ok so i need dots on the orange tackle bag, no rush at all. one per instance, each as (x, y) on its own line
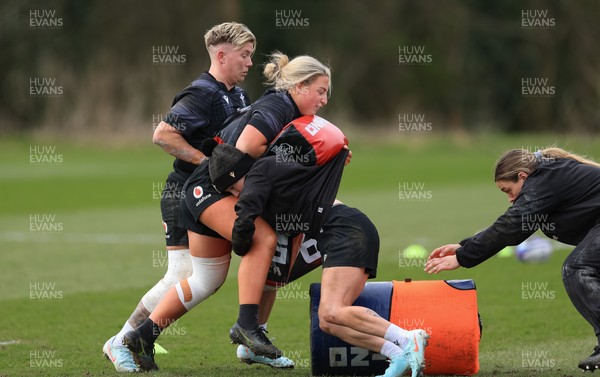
(446, 309)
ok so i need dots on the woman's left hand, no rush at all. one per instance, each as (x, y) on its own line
(349, 157)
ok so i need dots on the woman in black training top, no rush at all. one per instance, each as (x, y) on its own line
(558, 193)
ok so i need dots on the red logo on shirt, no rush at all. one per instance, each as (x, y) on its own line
(198, 192)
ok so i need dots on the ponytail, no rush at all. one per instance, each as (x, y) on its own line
(514, 161)
(283, 74)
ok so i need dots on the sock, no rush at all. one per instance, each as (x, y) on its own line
(263, 326)
(248, 317)
(149, 331)
(397, 334)
(119, 337)
(390, 350)
(179, 267)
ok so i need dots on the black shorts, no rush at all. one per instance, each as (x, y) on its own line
(170, 199)
(198, 194)
(349, 239)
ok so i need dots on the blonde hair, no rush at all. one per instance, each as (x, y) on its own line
(233, 33)
(514, 161)
(283, 74)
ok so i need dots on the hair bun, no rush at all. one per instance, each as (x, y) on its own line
(207, 146)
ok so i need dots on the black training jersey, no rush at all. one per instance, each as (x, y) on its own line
(269, 114)
(198, 112)
(561, 198)
(291, 197)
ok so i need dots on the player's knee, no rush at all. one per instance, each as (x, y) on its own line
(268, 241)
(572, 269)
(265, 237)
(327, 318)
(177, 273)
(208, 276)
(179, 266)
(566, 270)
(325, 327)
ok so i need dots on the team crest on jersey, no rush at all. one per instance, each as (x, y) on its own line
(243, 99)
(226, 98)
(165, 227)
(284, 149)
(198, 192)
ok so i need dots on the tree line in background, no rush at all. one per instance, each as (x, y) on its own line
(114, 66)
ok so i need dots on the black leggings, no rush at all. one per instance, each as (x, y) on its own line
(581, 277)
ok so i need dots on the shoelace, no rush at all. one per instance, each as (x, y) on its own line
(260, 333)
(145, 347)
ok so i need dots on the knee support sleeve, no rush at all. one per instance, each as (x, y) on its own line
(207, 277)
(179, 266)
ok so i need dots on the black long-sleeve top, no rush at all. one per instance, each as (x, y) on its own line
(291, 197)
(560, 197)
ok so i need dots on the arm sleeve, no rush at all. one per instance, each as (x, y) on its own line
(519, 222)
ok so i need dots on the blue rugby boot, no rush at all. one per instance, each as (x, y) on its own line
(414, 351)
(120, 356)
(398, 366)
(245, 355)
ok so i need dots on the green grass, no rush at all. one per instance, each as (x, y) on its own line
(106, 251)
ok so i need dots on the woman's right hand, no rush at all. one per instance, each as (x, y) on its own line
(442, 259)
(442, 251)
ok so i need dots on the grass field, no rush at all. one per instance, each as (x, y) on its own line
(82, 242)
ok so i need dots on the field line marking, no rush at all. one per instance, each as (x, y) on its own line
(99, 238)
(8, 342)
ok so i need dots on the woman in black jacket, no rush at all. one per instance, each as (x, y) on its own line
(558, 193)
